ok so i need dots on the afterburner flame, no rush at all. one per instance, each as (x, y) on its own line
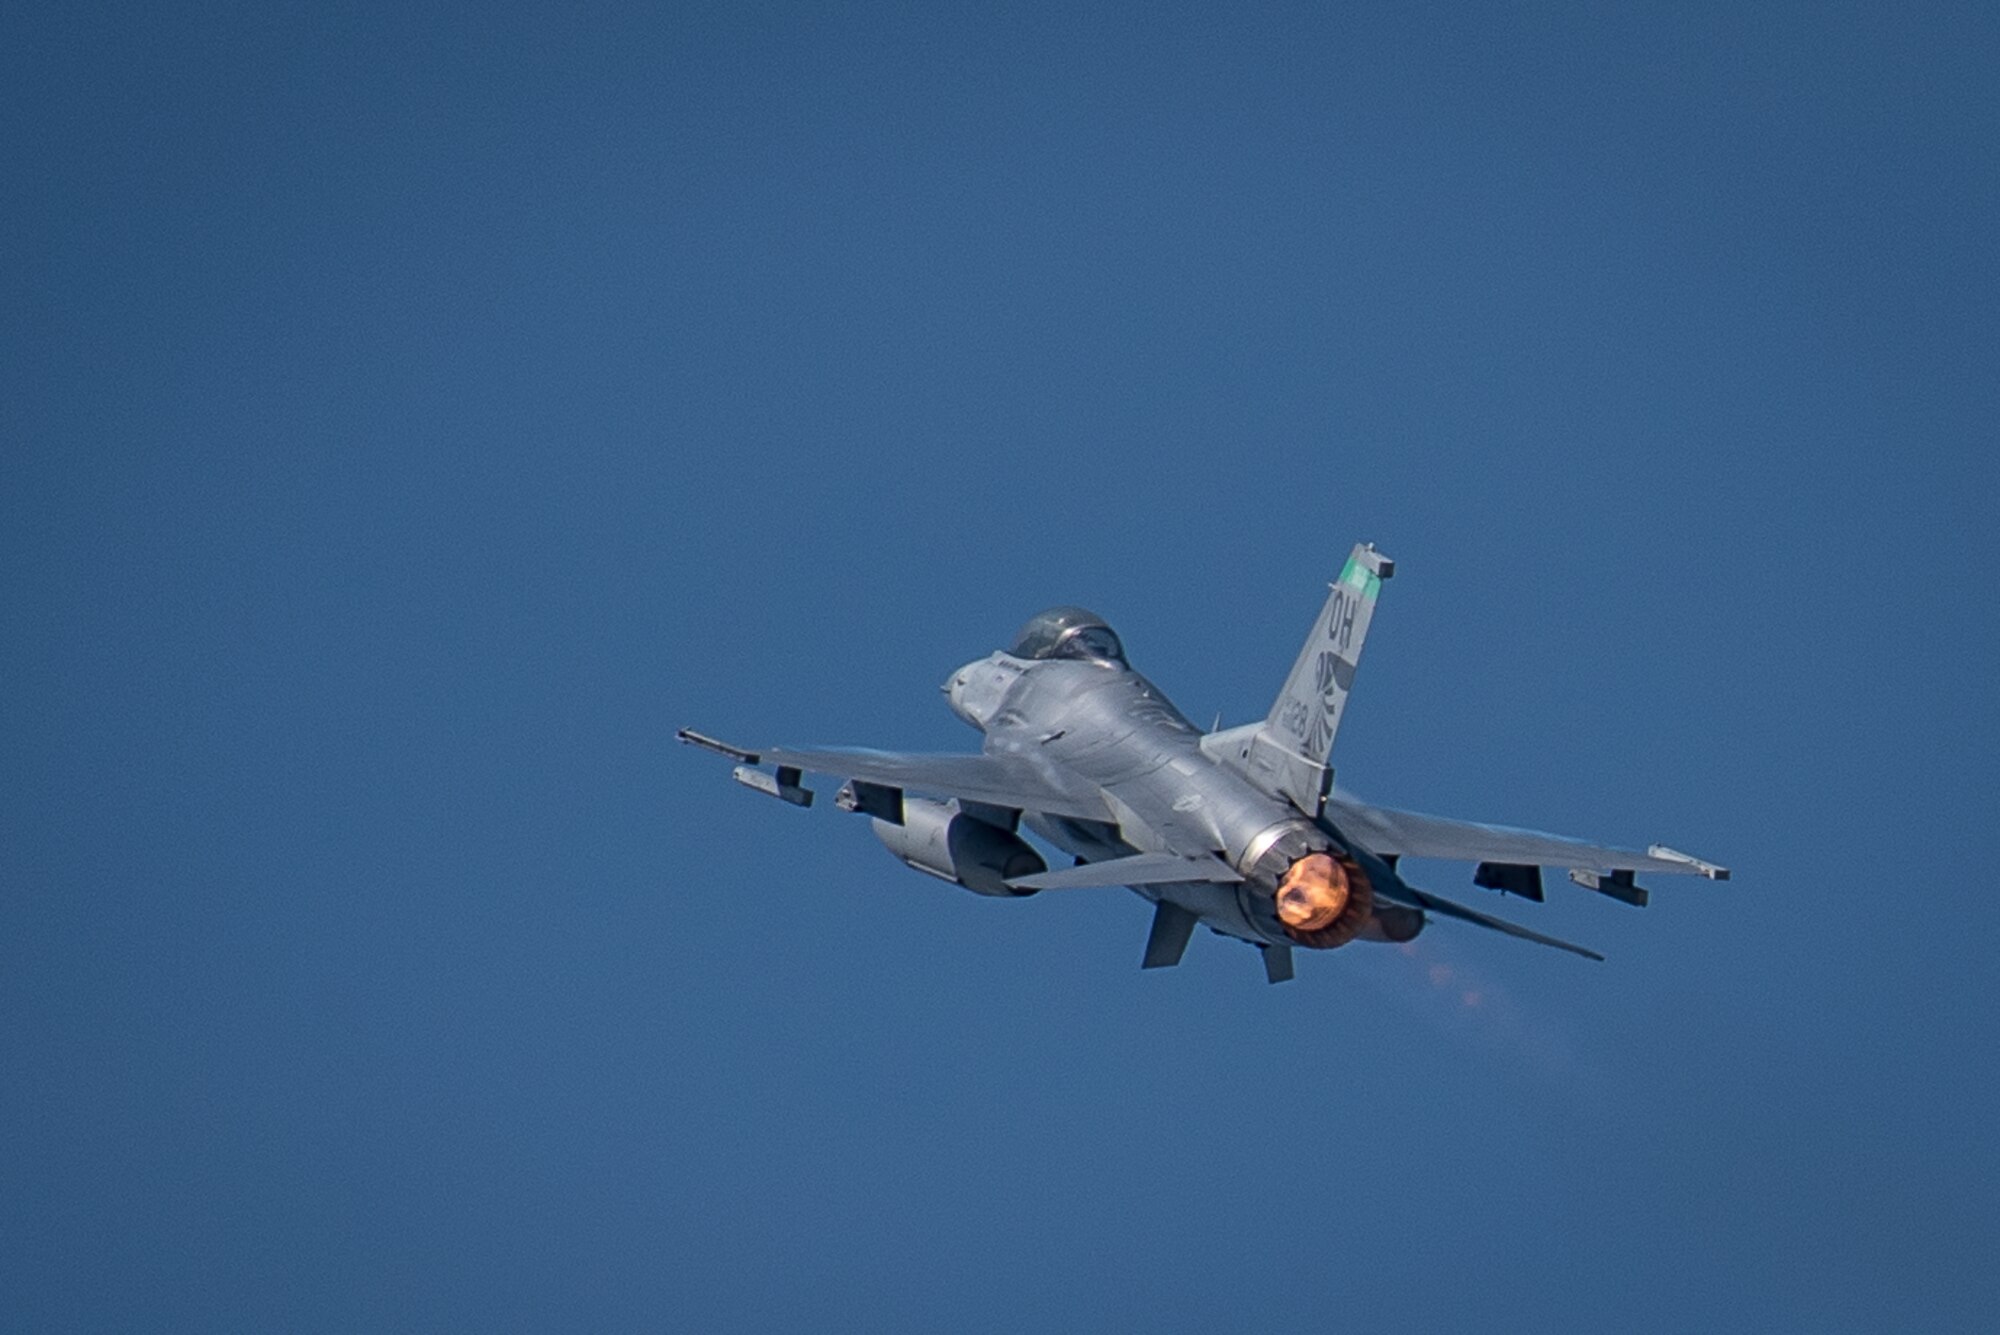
(1312, 893)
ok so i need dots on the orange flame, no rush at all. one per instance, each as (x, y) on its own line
(1313, 893)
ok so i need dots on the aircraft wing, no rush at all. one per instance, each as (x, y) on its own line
(1387, 831)
(1000, 781)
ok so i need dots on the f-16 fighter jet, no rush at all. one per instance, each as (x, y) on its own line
(1241, 830)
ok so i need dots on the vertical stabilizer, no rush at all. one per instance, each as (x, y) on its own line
(1288, 754)
(1307, 712)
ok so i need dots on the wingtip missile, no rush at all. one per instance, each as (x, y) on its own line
(1708, 869)
(706, 743)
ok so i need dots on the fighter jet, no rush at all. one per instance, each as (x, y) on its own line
(1241, 830)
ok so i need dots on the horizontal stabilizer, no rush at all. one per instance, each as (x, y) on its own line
(1446, 909)
(1139, 869)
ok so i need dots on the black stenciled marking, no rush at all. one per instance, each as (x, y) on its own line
(1332, 675)
(1320, 736)
(1340, 621)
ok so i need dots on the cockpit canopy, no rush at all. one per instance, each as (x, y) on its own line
(1069, 632)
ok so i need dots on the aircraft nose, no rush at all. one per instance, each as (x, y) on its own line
(965, 700)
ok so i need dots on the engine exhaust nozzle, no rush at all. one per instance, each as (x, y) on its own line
(1313, 893)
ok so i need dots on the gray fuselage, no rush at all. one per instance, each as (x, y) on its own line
(1111, 728)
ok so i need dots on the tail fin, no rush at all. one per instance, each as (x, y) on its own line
(1307, 712)
(1288, 752)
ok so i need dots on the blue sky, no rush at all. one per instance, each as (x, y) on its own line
(412, 418)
